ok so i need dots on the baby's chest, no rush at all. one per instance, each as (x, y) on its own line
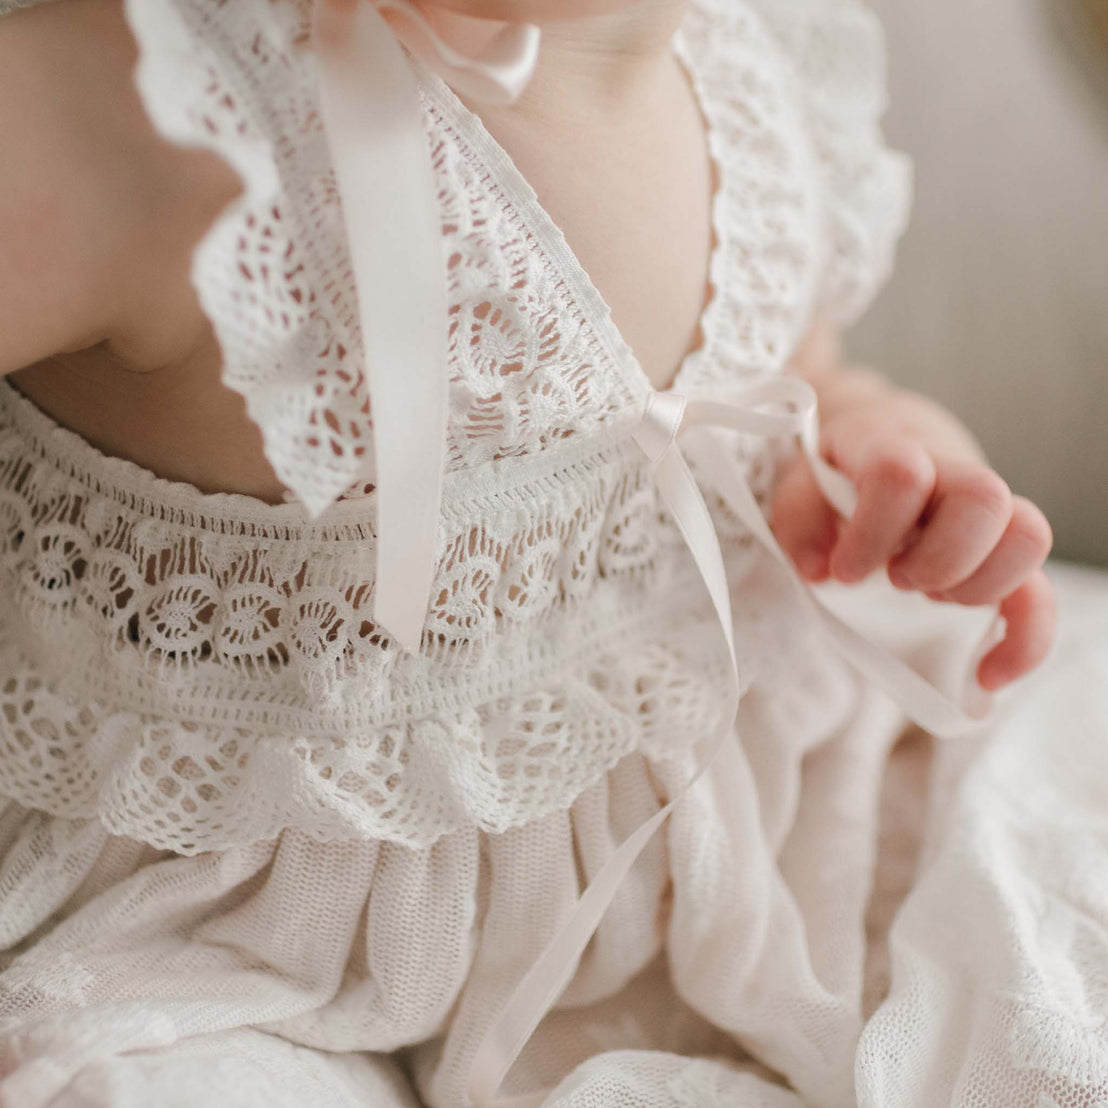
(631, 188)
(684, 252)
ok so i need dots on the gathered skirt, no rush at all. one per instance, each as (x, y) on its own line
(842, 912)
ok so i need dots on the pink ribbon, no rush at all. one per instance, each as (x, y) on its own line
(371, 111)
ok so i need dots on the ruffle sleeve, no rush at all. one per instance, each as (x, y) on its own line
(838, 50)
(273, 274)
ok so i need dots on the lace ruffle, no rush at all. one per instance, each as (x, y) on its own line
(838, 52)
(190, 788)
(200, 671)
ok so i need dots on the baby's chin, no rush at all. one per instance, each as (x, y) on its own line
(533, 11)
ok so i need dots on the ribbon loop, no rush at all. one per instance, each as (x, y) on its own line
(658, 428)
(488, 60)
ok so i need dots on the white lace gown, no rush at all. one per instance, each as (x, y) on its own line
(251, 853)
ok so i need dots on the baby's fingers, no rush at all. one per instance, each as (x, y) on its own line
(1030, 613)
(967, 518)
(895, 480)
(805, 524)
(1022, 549)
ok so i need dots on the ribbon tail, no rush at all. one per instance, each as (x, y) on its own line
(549, 975)
(374, 123)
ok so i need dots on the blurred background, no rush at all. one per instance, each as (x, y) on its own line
(999, 304)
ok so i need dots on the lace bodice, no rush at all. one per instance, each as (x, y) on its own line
(203, 670)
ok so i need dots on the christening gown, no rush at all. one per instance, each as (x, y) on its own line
(256, 851)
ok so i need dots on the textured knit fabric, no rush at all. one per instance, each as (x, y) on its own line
(253, 854)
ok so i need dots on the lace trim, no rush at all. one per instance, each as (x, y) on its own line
(190, 788)
(837, 51)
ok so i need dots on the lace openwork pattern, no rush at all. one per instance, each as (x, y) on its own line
(534, 358)
(203, 670)
(200, 671)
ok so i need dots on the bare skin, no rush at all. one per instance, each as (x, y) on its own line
(98, 221)
(100, 326)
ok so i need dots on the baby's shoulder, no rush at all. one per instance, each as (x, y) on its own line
(98, 214)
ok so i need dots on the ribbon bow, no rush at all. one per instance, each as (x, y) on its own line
(371, 111)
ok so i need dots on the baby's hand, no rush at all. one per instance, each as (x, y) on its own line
(931, 512)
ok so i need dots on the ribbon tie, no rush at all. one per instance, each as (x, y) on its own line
(371, 111)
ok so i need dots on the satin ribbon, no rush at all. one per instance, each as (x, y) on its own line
(779, 407)
(374, 123)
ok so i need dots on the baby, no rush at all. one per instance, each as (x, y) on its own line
(286, 849)
(103, 331)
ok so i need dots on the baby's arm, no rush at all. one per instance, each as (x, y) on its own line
(930, 509)
(98, 215)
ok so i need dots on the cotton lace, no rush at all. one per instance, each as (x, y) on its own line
(199, 671)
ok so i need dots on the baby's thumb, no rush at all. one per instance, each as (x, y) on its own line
(806, 526)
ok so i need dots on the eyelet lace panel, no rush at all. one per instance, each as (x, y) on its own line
(203, 670)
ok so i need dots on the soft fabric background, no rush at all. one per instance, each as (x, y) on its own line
(999, 306)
